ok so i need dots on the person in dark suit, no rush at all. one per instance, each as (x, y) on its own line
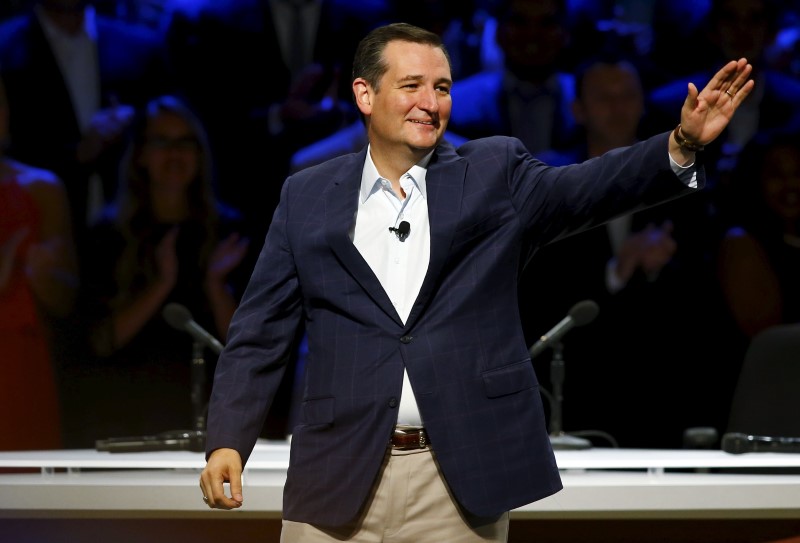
(94, 70)
(649, 273)
(737, 29)
(401, 261)
(280, 87)
(530, 96)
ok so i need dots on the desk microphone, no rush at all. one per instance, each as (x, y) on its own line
(581, 313)
(178, 316)
(402, 230)
(165, 441)
(739, 443)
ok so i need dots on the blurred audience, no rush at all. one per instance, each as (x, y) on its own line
(166, 238)
(649, 273)
(652, 32)
(735, 29)
(265, 86)
(759, 255)
(270, 81)
(530, 97)
(38, 282)
(93, 70)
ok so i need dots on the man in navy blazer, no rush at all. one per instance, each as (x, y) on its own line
(330, 262)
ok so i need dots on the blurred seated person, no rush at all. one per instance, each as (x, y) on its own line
(283, 86)
(94, 71)
(759, 254)
(165, 239)
(735, 29)
(38, 282)
(647, 271)
(530, 97)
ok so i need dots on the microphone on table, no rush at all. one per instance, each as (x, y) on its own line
(166, 441)
(740, 443)
(402, 230)
(176, 440)
(178, 316)
(581, 313)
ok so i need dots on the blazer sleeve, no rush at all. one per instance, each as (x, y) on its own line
(554, 202)
(260, 339)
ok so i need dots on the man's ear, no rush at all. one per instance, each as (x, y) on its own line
(362, 92)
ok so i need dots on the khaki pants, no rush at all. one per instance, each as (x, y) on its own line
(409, 504)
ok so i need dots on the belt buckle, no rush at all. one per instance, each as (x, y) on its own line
(411, 431)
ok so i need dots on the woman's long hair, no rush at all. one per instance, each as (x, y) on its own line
(134, 215)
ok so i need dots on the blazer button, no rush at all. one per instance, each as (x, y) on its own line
(392, 402)
(406, 339)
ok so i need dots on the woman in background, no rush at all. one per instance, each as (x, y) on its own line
(166, 238)
(759, 258)
(38, 282)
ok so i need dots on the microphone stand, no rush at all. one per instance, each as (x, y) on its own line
(172, 440)
(195, 439)
(558, 439)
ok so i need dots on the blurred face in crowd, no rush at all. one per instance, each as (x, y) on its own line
(409, 111)
(170, 153)
(780, 182)
(532, 36)
(611, 103)
(742, 29)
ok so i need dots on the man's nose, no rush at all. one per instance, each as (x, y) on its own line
(428, 100)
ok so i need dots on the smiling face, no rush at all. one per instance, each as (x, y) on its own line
(408, 112)
(170, 153)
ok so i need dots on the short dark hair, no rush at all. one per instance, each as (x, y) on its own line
(369, 62)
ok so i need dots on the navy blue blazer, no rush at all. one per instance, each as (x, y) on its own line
(490, 205)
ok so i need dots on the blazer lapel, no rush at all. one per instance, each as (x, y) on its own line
(445, 187)
(341, 204)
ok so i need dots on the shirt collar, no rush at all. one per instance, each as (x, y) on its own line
(371, 179)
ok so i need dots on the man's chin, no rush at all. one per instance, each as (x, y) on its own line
(429, 145)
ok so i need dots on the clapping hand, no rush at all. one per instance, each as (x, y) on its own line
(226, 256)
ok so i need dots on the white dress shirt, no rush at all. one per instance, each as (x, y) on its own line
(400, 266)
(76, 55)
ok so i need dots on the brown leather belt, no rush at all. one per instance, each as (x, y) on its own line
(409, 438)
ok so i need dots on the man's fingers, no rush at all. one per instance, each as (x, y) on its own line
(691, 96)
(743, 92)
(223, 465)
(236, 490)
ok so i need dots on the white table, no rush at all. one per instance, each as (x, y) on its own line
(603, 487)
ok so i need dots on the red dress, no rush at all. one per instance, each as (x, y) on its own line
(29, 404)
